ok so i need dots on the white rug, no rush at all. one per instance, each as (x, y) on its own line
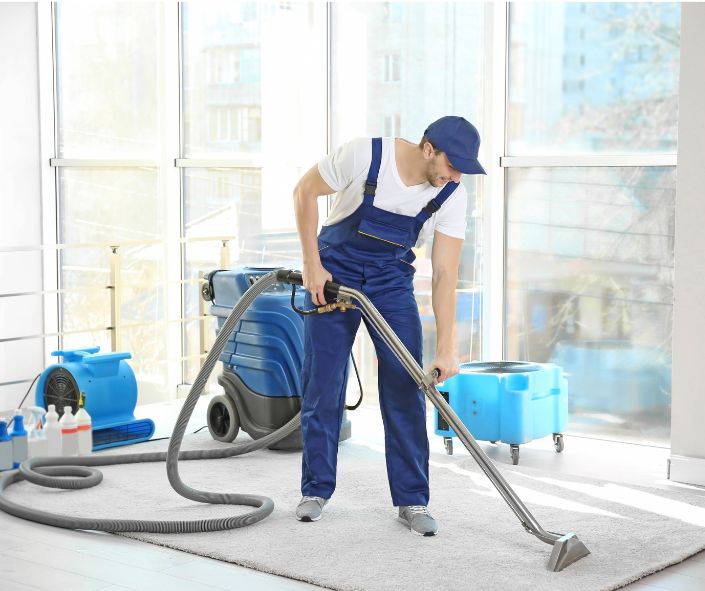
(359, 545)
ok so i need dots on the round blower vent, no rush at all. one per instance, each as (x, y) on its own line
(60, 389)
(500, 367)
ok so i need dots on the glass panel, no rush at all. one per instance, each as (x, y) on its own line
(590, 287)
(107, 72)
(115, 207)
(396, 67)
(228, 203)
(244, 98)
(593, 77)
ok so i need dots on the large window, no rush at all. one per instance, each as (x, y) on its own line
(108, 100)
(252, 126)
(396, 67)
(593, 77)
(181, 146)
(589, 262)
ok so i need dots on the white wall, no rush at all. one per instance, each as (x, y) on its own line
(688, 409)
(20, 200)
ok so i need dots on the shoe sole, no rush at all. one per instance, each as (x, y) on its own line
(307, 519)
(413, 531)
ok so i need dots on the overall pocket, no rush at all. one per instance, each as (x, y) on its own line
(390, 235)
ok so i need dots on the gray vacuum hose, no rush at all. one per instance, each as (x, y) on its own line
(53, 472)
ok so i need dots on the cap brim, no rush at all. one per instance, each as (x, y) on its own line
(466, 165)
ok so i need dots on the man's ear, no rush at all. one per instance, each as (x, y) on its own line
(427, 150)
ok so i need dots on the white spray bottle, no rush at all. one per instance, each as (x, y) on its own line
(19, 439)
(85, 433)
(52, 431)
(69, 433)
(38, 446)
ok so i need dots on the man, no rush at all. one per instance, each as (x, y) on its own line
(391, 194)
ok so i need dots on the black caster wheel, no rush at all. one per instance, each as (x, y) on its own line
(514, 450)
(558, 442)
(207, 292)
(448, 441)
(223, 421)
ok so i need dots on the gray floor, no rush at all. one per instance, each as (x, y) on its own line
(33, 556)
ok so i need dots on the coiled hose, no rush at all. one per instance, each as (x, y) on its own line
(55, 472)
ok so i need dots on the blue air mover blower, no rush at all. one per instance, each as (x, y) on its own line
(509, 401)
(110, 388)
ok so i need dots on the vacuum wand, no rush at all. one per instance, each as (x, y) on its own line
(567, 548)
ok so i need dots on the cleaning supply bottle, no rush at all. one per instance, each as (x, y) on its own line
(69, 433)
(85, 433)
(19, 439)
(5, 447)
(53, 432)
(37, 444)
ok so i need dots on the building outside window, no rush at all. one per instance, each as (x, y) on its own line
(589, 277)
(361, 106)
(392, 68)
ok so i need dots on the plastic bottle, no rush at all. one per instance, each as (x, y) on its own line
(52, 430)
(5, 447)
(19, 439)
(85, 432)
(69, 433)
(37, 445)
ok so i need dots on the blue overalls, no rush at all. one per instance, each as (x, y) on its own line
(369, 251)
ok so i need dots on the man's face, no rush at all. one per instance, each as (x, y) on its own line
(440, 172)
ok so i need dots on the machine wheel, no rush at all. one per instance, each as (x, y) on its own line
(223, 421)
(449, 445)
(207, 292)
(493, 442)
(558, 442)
(514, 450)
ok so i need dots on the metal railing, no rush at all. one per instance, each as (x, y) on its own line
(115, 285)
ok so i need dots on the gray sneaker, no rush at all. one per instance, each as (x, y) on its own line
(310, 508)
(419, 520)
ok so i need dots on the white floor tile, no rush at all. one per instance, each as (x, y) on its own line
(109, 571)
(668, 580)
(12, 586)
(26, 567)
(233, 577)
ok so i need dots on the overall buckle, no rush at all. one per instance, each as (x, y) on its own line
(370, 188)
(432, 207)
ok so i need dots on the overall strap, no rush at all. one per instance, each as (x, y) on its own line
(435, 204)
(371, 183)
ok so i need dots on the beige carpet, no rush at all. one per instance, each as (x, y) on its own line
(359, 545)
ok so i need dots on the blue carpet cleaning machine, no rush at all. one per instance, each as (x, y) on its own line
(262, 359)
(110, 389)
(80, 472)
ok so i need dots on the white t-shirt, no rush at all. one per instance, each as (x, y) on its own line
(345, 171)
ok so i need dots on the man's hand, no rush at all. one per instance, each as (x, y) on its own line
(446, 364)
(315, 277)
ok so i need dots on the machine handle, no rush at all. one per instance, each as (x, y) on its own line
(296, 278)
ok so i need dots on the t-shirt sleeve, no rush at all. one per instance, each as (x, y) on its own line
(451, 218)
(346, 163)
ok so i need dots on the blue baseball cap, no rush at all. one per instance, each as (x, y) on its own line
(459, 140)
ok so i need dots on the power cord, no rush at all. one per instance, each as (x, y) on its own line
(357, 373)
(28, 391)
